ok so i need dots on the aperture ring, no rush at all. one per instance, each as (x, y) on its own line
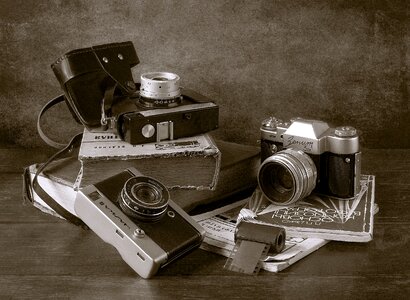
(160, 103)
(144, 198)
(301, 168)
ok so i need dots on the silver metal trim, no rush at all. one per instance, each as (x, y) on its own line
(165, 131)
(160, 85)
(183, 108)
(357, 172)
(104, 218)
(312, 136)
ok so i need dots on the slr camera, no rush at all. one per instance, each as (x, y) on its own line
(302, 156)
(161, 110)
(135, 214)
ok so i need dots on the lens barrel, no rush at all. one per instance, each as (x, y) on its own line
(287, 176)
(160, 89)
(144, 198)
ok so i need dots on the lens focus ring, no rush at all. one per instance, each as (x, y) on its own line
(144, 198)
(160, 85)
(287, 176)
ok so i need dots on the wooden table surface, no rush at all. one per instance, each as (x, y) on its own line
(44, 257)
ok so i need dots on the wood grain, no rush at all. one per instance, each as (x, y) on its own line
(43, 257)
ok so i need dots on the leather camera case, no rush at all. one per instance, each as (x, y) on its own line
(87, 74)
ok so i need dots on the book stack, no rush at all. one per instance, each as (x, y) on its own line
(186, 163)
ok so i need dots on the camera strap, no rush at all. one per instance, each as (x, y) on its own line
(106, 104)
(36, 187)
(64, 151)
(45, 108)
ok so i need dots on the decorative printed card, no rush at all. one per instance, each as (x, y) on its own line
(319, 216)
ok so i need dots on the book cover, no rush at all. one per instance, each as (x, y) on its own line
(191, 163)
(239, 165)
(319, 216)
(220, 225)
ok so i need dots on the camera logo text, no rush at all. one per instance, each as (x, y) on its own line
(300, 144)
(114, 214)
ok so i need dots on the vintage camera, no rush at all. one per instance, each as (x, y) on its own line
(161, 110)
(100, 92)
(135, 214)
(302, 156)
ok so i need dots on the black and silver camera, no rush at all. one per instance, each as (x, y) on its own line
(302, 156)
(161, 110)
(100, 92)
(135, 214)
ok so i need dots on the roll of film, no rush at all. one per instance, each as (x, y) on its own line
(253, 241)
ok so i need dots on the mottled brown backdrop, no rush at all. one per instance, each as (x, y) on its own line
(345, 62)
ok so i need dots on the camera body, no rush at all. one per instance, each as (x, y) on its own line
(133, 213)
(311, 155)
(161, 110)
(101, 93)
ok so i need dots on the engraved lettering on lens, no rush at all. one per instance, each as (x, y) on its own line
(160, 89)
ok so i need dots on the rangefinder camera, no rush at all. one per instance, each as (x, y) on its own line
(135, 214)
(302, 156)
(162, 110)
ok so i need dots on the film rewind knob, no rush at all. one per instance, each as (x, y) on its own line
(148, 131)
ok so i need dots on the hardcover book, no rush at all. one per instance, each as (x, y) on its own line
(190, 163)
(319, 216)
(239, 165)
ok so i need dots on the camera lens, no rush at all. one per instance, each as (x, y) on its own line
(144, 198)
(160, 89)
(287, 176)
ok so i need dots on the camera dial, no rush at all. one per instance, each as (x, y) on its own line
(144, 198)
(345, 131)
(270, 123)
(160, 89)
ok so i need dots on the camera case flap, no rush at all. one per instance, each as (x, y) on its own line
(91, 75)
(144, 245)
